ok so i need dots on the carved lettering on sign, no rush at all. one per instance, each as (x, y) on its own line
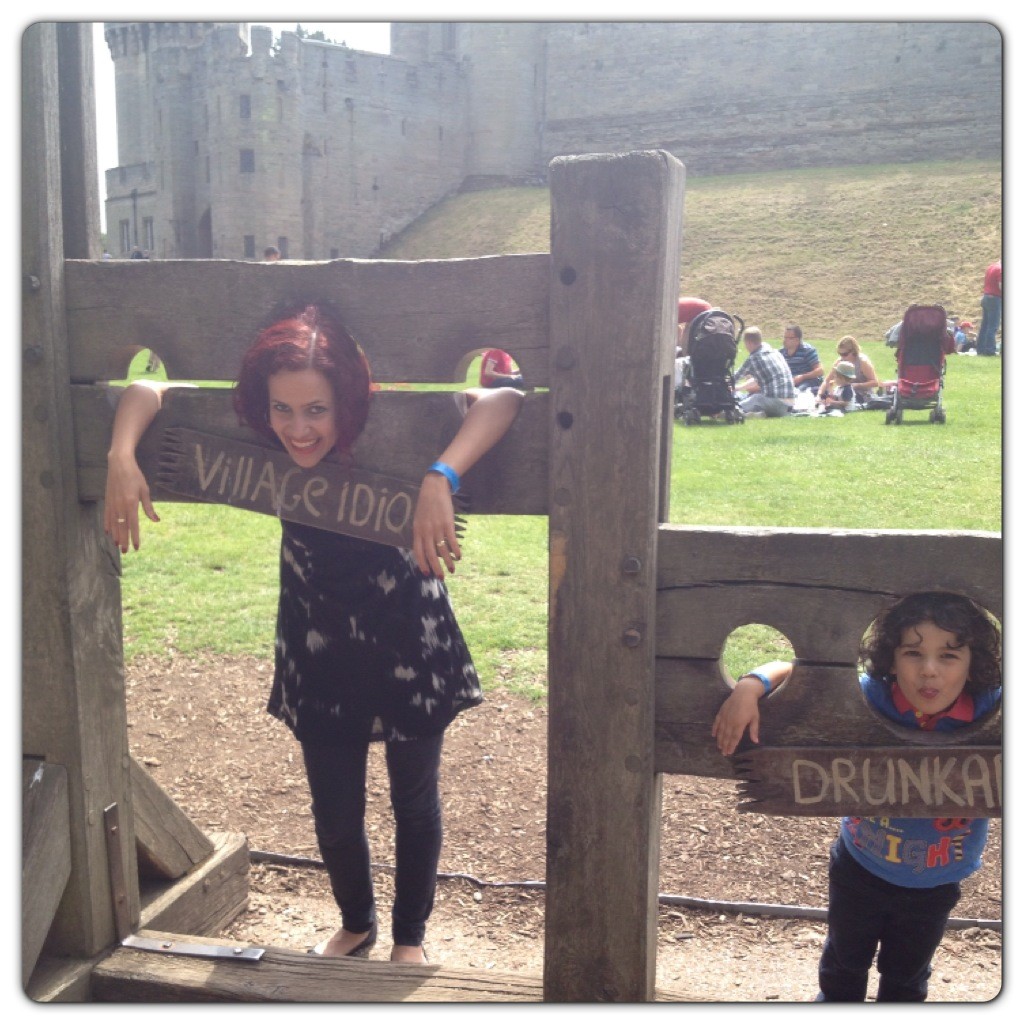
(902, 781)
(330, 496)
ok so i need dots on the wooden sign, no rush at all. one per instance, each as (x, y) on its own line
(906, 782)
(330, 496)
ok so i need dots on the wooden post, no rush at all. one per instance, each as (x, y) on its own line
(616, 238)
(73, 683)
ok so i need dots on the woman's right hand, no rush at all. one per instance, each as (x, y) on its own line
(127, 489)
(126, 486)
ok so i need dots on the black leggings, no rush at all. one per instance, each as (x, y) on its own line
(337, 783)
(867, 913)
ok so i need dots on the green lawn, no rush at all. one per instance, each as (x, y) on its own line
(205, 578)
(841, 250)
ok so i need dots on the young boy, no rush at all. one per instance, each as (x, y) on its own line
(933, 662)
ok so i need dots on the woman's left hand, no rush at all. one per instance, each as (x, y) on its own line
(435, 545)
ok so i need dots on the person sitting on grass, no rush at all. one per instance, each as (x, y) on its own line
(840, 396)
(802, 358)
(933, 662)
(367, 645)
(865, 379)
(765, 377)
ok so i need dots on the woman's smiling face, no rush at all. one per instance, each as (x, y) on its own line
(302, 414)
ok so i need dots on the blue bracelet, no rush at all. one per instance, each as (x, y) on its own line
(448, 473)
(765, 681)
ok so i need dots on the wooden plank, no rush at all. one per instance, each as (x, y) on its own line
(710, 582)
(45, 854)
(907, 782)
(417, 321)
(62, 980)
(169, 843)
(259, 478)
(283, 975)
(207, 899)
(615, 270)
(73, 711)
(743, 575)
(80, 200)
(405, 433)
(818, 705)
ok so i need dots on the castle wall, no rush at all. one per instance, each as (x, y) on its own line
(332, 150)
(759, 96)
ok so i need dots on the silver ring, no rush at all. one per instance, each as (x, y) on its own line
(122, 520)
(441, 544)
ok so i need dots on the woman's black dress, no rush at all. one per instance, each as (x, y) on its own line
(367, 646)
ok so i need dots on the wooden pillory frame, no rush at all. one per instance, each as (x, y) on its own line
(639, 610)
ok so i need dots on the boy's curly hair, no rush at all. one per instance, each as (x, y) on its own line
(956, 613)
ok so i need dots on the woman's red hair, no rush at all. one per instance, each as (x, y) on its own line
(305, 336)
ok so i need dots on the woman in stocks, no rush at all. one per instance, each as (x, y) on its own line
(866, 379)
(367, 646)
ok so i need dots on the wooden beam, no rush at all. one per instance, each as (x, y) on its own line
(169, 843)
(418, 322)
(710, 582)
(80, 199)
(209, 897)
(615, 270)
(283, 975)
(406, 431)
(58, 979)
(45, 854)
(73, 707)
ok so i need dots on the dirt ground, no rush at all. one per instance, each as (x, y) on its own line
(201, 729)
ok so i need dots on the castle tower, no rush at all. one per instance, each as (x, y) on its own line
(152, 193)
(505, 64)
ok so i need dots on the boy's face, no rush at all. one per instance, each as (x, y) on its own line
(931, 669)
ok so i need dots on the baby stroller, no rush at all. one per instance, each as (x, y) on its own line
(709, 387)
(925, 341)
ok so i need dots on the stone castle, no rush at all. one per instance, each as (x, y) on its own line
(227, 145)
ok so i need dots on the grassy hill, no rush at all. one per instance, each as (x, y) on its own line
(837, 250)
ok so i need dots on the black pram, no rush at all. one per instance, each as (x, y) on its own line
(709, 387)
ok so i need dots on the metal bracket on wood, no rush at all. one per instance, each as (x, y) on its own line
(112, 827)
(210, 952)
(122, 922)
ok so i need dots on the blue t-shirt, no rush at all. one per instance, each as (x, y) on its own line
(917, 853)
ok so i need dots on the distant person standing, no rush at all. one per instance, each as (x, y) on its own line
(991, 309)
(802, 358)
(271, 254)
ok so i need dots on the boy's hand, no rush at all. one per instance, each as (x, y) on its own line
(737, 714)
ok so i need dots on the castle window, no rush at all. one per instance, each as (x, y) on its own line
(282, 245)
(244, 107)
(247, 161)
(124, 228)
(249, 247)
(148, 241)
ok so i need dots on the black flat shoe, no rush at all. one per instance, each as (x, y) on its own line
(362, 951)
